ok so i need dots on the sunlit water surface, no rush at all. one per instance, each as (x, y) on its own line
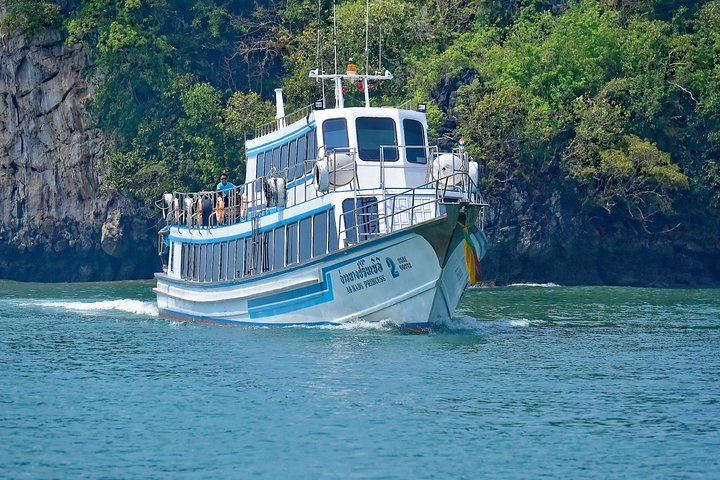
(527, 382)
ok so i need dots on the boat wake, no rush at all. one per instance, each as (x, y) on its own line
(136, 307)
(472, 324)
(538, 285)
(385, 325)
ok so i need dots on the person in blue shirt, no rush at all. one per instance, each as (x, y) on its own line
(225, 187)
(224, 184)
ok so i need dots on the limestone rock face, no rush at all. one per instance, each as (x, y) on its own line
(53, 203)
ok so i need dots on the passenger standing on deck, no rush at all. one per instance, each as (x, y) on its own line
(165, 247)
(227, 202)
(224, 185)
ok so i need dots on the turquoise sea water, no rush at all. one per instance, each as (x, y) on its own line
(532, 382)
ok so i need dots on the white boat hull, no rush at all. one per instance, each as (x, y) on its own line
(411, 278)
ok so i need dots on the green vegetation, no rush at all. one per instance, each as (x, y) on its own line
(614, 102)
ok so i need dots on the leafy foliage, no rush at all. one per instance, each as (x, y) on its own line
(30, 17)
(616, 101)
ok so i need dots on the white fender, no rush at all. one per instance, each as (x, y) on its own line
(243, 206)
(321, 179)
(220, 209)
(167, 199)
(342, 168)
(270, 191)
(188, 211)
(281, 191)
(176, 210)
(450, 168)
(474, 176)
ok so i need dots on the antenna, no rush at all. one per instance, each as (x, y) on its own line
(380, 48)
(367, 34)
(335, 37)
(352, 74)
(319, 57)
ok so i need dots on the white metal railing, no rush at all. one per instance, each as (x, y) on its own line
(374, 217)
(284, 121)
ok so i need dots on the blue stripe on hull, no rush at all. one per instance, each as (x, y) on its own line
(304, 297)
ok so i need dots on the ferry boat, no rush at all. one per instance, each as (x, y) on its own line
(347, 214)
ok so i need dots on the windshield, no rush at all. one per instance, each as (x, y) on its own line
(372, 133)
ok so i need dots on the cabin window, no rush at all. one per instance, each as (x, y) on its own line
(301, 157)
(206, 258)
(215, 262)
(196, 265)
(361, 218)
(259, 164)
(292, 160)
(291, 248)
(208, 262)
(336, 134)
(183, 260)
(248, 257)
(239, 257)
(202, 262)
(279, 250)
(269, 161)
(170, 260)
(332, 231)
(283, 160)
(312, 153)
(305, 239)
(267, 251)
(190, 260)
(230, 267)
(257, 255)
(374, 133)
(222, 266)
(320, 234)
(414, 136)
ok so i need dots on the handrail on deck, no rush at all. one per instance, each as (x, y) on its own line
(368, 219)
(279, 123)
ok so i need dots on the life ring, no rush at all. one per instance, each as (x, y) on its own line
(321, 177)
(243, 207)
(220, 209)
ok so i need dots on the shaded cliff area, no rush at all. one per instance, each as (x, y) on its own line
(57, 220)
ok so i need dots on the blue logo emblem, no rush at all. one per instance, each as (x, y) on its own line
(392, 267)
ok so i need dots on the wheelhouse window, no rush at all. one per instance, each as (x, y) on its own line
(335, 134)
(414, 137)
(374, 133)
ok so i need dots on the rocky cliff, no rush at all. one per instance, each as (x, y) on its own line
(58, 222)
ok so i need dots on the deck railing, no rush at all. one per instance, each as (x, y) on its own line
(373, 217)
(284, 121)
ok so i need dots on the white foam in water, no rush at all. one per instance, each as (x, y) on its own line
(125, 305)
(541, 285)
(519, 323)
(466, 322)
(355, 325)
